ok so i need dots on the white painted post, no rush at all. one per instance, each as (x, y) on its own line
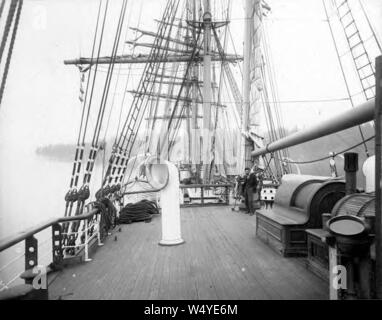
(333, 292)
(368, 169)
(169, 200)
(99, 234)
(86, 242)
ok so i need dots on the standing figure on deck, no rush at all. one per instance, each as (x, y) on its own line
(250, 187)
(244, 179)
(333, 167)
(257, 196)
(238, 190)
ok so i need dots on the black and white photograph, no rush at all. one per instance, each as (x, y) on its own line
(190, 154)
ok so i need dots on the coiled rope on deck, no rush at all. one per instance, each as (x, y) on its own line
(139, 211)
(108, 214)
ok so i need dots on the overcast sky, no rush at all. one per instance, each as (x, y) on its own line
(41, 103)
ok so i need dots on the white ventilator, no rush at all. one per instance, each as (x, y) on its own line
(164, 175)
(368, 169)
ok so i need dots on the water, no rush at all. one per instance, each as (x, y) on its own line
(32, 191)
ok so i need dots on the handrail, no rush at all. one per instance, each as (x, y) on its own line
(10, 241)
(142, 191)
(182, 186)
(203, 187)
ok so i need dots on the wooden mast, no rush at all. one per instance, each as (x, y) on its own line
(194, 105)
(207, 24)
(248, 22)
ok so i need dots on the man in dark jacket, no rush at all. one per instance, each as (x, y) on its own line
(243, 186)
(250, 188)
(244, 179)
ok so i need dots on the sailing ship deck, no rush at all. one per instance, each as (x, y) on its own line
(221, 259)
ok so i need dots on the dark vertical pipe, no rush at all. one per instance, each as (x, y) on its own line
(351, 168)
(378, 173)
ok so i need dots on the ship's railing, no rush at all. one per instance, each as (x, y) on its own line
(89, 230)
(145, 192)
(151, 194)
(205, 194)
(202, 194)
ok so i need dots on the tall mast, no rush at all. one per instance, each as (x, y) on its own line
(189, 39)
(248, 23)
(194, 104)
(207, 20)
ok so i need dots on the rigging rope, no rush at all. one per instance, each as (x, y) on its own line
(190, 62)
(94, 145)
(12, 42)
(159, 89)
(72, 195)
(166, 47)
(93, 84)
(115, 146)
(274, 90)
(224, 47)
(128, 135)
(343, 72)
(111, 68)
(331, 156)
(7, 27)
(83, 194)
(123, 140)
(176, 68)
(2, 7)
(234, 49)
(118, 76)
(80, 148)
(174, 71)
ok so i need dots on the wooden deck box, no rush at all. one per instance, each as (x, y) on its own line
(318, 253)
(299, 203)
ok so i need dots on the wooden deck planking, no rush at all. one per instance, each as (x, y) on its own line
(236, 264)
(143, 266)
(221, 259)
(224, 256)
(266, 266)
